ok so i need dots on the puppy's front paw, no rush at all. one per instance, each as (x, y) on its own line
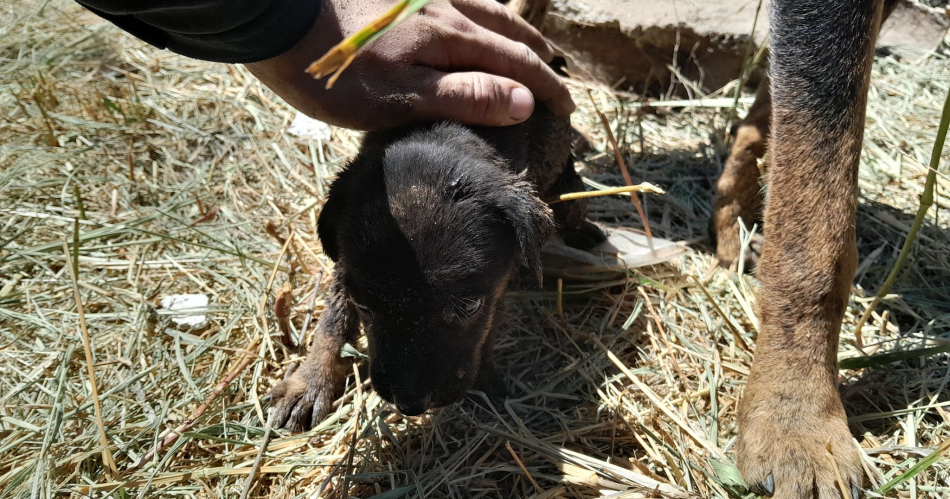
(301, 401)
(584, 237)
(784, 439)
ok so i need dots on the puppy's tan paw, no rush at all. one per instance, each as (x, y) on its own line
(301, 401)
(784, 441)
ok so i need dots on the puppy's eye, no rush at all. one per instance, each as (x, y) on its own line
(470, 307)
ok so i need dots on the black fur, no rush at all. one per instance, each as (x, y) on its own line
(822, 80)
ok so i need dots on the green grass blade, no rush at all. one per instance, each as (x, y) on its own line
(926, 201)
(914, 470)
(890, 358)
(412, 6)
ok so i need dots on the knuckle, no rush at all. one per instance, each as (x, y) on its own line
(508, 16)
(468, 6)
(486, 96)
(460, 23)
(447, 35)
(432, 9)
(430, 30)
(435, 44)
(526, 54)
(532, 67)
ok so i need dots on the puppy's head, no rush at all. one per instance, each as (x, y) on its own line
(426, 231)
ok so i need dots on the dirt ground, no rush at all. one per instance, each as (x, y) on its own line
(147, 175)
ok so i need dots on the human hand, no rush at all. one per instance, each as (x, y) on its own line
(471, 61)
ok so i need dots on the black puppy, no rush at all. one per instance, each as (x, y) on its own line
(427, 226)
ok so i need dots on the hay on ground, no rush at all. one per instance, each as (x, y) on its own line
(184, 180)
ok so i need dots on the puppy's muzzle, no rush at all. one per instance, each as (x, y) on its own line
(411, 406)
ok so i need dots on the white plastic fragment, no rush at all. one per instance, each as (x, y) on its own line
(623, 249)
(308, 128)
(189, 306)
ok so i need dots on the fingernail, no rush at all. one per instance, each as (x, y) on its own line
(521, 104)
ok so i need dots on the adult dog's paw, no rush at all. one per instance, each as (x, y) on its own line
(784, 442)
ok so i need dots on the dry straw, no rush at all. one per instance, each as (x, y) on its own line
(174, 169)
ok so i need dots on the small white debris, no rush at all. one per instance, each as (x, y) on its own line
(190, 306)
(308, 128)
(623, 249)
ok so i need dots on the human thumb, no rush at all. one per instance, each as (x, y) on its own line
(474, 98)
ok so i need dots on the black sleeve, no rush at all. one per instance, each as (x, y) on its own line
(234, 31)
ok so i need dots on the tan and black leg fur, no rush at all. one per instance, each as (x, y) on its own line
(791, 411)
(738, 192)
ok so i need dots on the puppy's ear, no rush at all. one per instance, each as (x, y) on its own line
(532, 220)
(330, 222)
(327, 227)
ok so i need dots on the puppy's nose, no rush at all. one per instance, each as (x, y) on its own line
(410, 406)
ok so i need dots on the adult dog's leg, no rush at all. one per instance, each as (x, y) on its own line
(737, 190)
(791, 412)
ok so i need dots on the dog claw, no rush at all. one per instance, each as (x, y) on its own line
(765, 487)
(769, 484)
(855, 492)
